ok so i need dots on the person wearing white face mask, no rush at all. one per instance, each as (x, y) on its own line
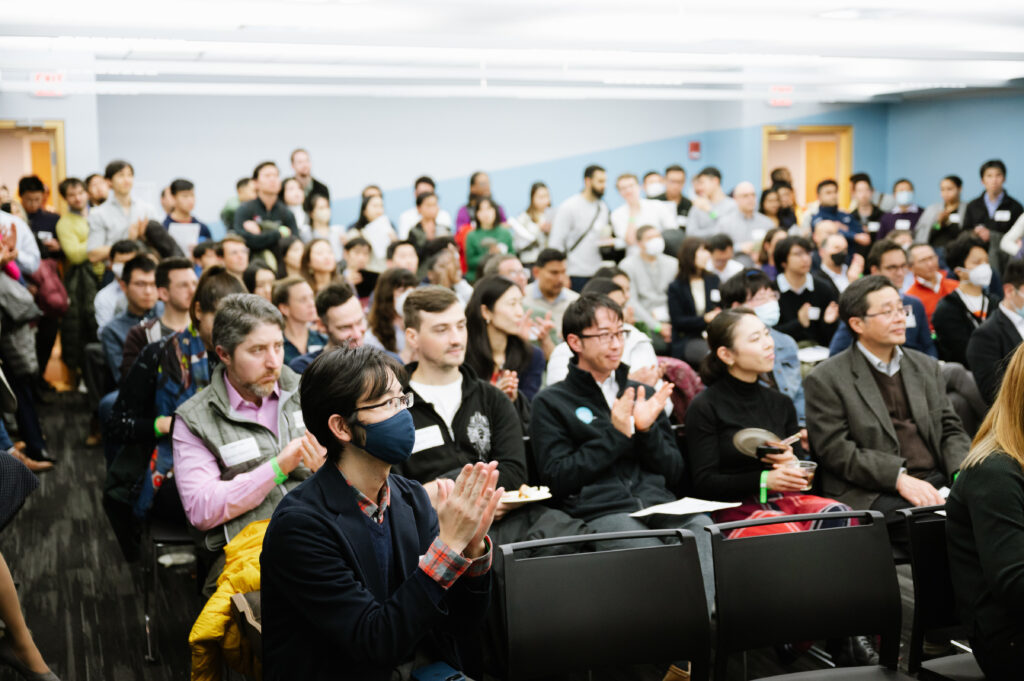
(650, 272)
(960, 313)
(905, 214)
(993, 342)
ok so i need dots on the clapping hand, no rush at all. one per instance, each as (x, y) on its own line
(508, 383)
(645, 412)
(466, 510)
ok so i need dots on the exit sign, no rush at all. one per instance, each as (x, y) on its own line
(48, 83)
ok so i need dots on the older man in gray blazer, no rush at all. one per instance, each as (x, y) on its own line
(880, 424)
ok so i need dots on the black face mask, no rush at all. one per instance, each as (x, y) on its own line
(839, 259)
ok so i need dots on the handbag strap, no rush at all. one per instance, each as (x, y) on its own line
(583, 236)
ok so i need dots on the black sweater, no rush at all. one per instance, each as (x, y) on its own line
(985, 537)
(720, 472)
(790, 303)
(954, 324)
(593, 469)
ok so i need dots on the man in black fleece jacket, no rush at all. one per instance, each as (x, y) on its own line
(602, 442)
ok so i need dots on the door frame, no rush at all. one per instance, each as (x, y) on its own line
(845, 133)
(60, 151)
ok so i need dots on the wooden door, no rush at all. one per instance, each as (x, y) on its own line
(821, 161)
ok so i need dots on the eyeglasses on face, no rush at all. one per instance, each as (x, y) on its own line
(891, 313)
(393, 404)
(605, 337)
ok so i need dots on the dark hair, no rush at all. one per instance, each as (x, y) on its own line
(826, 183)
(1014, 273)
(688, 258)
(879, 249)
(168, 265)
(901, 181)
(672, 168)
(853, 302)
(65, 186)
(744, 285)
(476, 213)
(782, 184)
(435, 246)
(214, 285)
(719, 242)
(433, 299)
(764, 195)
(381, 319)
(284, 184)
(782, 249)
(282, 292)
(479, 355)
(721, 334)
(861, 177)
(763, 254)
(181, 185)
(955, 179)
(249, 275)
(601, 286)
(282, 247)
(116, 166)
(611, 271)
(643, 230)
(124, 247)
(361, 221)
(88, 178)
(200, 249)
(994, 163)
(332, 295)
(357, 242)
(777, 175)
(30, 183)
(582, 313)
(335, 383)
(424, 179)
(394, 245)
(140, 263)
(534, 188)
(421, 198)
(548, 255)
(588, 172)
(242, 182)
(309, 203)
(710, 171)
(960, 249)
(261, 166)
(307, 251)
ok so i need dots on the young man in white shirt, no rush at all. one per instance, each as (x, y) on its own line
(120, 216)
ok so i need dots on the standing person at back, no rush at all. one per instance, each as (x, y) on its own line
(711, 205)
(991, 214)
(581, 223)
(120, 216)
(303, 169)
(259, 221)
(745, 226)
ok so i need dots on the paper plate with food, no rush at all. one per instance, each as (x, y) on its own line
(525, 494)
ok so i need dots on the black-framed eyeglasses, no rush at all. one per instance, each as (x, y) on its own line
(395, 403)
(905, 310)
(605, 337)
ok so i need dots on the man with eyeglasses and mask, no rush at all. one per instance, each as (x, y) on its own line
(363, 570)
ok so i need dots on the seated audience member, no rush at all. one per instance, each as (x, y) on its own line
(403, 254)
(358, 570)
(744, 226)
(259, 221)
(486, 237)
(836, 263)
(531, 229)
(994, 341)
(828, 211)
(413, 216)
(652, 272)
(789, 213)
(294, 298)
(711, 205)
(693, 301)
(496, 351)
(722, 264)
(985, 512)
(428, 224)
(766, 254)
(930, 283)
(140, 291)
(357, 259)
(228, 460)
(318, 208)
(42, 222)
(943, 222)
(479, 187)
(671, 190)
(98, 188)
(637, 352)
(753, 289)
(245, 190)
(444, 267)
(386, 330)
(633, 312)
(341, 314)
(259, 278)
(508, 266)
(183, 227)
(884, 432)
(637, 212)
(319, 268)
(120, 216)
(289, 264)
(888, 259)
(110, 301)
(81, 278)
(958, 315)
(175, 285)
(602, 442)
(166, 200)
(905, 214)
(373, 226)
(204, 255)
(769, 205)
(991, 214)
(807, 302)
(293, 197)
(234, 255)
(864, 209)
(549, 293)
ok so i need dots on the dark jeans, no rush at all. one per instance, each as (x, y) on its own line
(28, 420)
(46, 336)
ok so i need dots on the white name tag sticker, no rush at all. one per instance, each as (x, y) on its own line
(911, 320)
(814, 313)
(954, 218)
(238, 452)
(903, 223)
(427, 438)
(680, 221)
(874, 226)
(297, 418)
(45, 236)
(1002, 216)
(715, 295)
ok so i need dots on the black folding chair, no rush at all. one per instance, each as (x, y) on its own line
(593, 610)
(804, 586)
(934, 606)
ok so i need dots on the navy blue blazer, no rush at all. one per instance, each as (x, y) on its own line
(686, 323)
(328, 612)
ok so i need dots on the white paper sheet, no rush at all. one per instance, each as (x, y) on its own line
(685, 506)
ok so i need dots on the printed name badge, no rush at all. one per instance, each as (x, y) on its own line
(903, 223)
(1002, 216)
(680, 221)
(238, 452)
(814, 313)
(874, 226)
(427, 438)
(911, 319)
(298, 420)
(45, 236)
(954, 219)
(715, 295)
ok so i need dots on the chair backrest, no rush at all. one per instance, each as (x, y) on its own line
(800, 586)
(589, 610)
(934, 602)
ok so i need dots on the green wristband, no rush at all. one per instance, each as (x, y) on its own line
(764, 487)
(156, 429)
(279, 475)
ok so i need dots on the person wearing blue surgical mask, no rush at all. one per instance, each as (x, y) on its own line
(363, 569)
(905, 214)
